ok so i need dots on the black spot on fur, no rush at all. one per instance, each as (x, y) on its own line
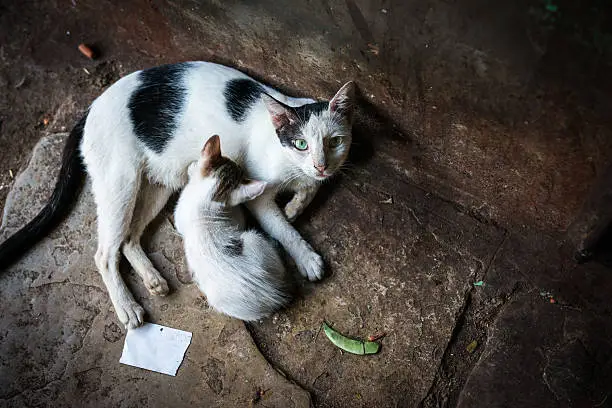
(289, 132)
(240, 96)
(156, 103)
(234, 247)
(304, 112)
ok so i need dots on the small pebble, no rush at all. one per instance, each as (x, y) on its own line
(85, 50)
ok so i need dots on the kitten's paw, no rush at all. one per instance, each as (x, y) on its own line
(130, 313)
(157, 285)
(292, 211)
(310, 265)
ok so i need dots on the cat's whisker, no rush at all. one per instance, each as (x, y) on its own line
(292, 176)
(150, 126)
(213, 219)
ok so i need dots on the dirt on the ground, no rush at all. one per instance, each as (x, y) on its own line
(482, 132)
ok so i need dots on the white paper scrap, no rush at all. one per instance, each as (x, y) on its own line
(156, 348)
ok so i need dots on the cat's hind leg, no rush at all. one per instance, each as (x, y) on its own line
(151, 200)
(115, 190)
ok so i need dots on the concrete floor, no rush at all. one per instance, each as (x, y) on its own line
(483, 135)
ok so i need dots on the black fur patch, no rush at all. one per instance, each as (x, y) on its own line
(156, 103)
(306, 111)
(234, 247)
(240, 96)
(288, 133)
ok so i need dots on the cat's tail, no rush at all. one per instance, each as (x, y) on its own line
(66, 190)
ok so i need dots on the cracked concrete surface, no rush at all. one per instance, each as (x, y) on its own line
(403, 262)
(482, 135)
(61, 341)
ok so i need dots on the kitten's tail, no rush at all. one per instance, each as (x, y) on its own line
(64, 194)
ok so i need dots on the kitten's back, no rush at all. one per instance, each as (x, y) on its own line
(248, 286)
(240, 272)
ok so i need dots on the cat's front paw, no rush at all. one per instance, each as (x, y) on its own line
(130, 313)
(292, 211)
(310, 265)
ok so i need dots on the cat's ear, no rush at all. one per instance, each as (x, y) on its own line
(343, 103)
(211, 153)
(212, 147)
(248, 191)
(280, 114)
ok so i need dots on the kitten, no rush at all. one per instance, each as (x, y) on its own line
(239, 271)
(138, 138)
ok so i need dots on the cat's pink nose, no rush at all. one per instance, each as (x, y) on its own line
(321, 168)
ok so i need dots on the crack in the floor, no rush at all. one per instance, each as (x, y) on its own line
(68, 282)
(446, 386)
(470, 211)
(495, 253)
(459, 326)
(454, 334)
(545, 378)
(87, 333)
(282, 372)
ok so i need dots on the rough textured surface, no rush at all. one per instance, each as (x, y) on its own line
(557, 354)
(491, 110)
(483, 135)
(403, 262)
(62, 341)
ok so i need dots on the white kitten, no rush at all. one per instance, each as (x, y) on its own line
(240, 272)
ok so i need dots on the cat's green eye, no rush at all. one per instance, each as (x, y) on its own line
(300, 144)
(335, 142)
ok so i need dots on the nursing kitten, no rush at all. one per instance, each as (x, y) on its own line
(240, 272)
(138, 138)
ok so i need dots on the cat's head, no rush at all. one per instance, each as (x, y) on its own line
(317, 136)
(224, 178)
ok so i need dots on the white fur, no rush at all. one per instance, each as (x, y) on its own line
(249, 286)
(131, 184)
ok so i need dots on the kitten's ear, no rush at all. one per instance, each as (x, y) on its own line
(343, 102)
(211, 153)
(279, 113)
(212, 148)
(247, 192)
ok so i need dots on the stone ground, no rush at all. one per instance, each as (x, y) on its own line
(483, 152)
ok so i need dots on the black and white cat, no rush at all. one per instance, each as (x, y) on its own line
(240, 272)
(139, 137)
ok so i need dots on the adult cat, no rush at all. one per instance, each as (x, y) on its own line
(138, 138)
